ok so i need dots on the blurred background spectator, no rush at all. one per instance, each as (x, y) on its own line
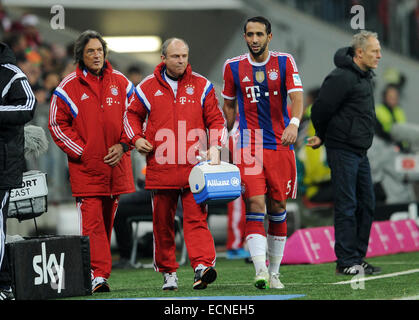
(134, 74)
(388, 113)
(314, 180)
(414, 31)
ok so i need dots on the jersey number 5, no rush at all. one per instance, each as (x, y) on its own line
(288, 187)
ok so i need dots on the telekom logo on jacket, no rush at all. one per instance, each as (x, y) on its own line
(182, 100)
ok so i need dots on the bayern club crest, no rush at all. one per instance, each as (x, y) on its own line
(114, 90)
(273, 74)
(190, 89)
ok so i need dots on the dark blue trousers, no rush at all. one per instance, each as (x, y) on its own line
(354, 204)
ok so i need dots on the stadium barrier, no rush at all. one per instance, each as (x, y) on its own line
(316, 245)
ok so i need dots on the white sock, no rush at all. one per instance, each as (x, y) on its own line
(257, 248)
(276, 246)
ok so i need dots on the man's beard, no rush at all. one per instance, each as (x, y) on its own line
(259, 53)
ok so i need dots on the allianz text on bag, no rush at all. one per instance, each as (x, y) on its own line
(215, 183)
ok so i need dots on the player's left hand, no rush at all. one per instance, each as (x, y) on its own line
(115, 154)
(289, 136)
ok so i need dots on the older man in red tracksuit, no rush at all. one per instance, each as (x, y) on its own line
(86, 122)
(180, 106)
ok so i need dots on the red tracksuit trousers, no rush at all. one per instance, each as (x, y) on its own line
(198, 238)
(236, 222)
(96, 221)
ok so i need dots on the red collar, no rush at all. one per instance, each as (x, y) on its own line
(160, 68)
(87, 76)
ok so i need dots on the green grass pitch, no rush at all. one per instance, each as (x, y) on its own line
(399, 280)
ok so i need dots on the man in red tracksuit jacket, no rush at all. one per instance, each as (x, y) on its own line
(180, 106)
(86, 122)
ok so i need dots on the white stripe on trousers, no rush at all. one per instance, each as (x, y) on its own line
(237, 216)
(2, 234)
(78, 206)
(294, 191)
(156, 268)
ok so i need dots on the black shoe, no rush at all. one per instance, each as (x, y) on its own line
(370, 269)
(203, 277)
(100, 284)
(7, 294)
(348, 271)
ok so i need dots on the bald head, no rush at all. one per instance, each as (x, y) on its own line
(166, 44)
(175, 54)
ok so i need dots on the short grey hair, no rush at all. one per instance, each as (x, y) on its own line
(168, 42)
(360, 39)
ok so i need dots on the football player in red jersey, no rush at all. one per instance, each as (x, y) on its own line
(260, 82)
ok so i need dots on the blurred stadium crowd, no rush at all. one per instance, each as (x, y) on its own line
(396, 21)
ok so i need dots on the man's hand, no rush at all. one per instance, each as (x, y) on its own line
(143, 146)
(115, 154)
(289, 136)
(314, 142)
(213, 155)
